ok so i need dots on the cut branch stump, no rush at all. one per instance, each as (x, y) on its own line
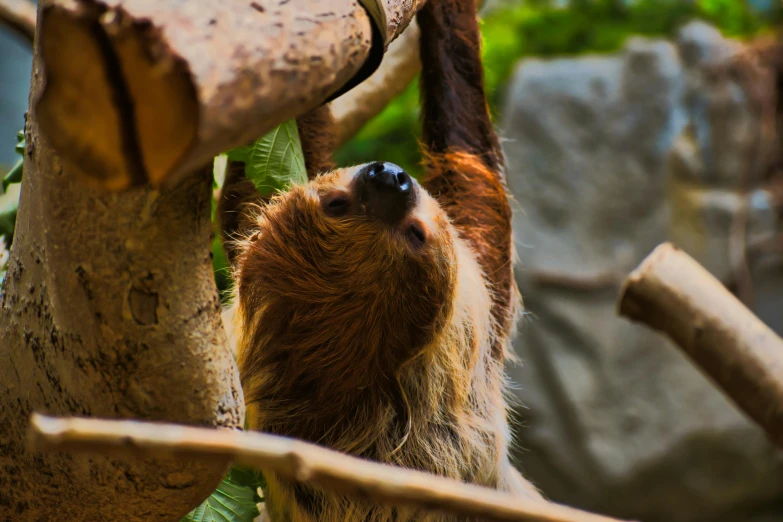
(674, 294)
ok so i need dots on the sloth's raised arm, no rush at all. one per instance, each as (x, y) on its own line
(318, 137)
(462, 151)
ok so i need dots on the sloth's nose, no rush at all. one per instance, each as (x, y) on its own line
(389, 177)
(387, 192)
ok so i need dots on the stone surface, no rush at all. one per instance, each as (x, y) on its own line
(609, 156)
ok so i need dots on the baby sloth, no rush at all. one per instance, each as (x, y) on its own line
(374, 313)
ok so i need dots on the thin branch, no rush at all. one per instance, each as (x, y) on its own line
(400, 66)
(19, 15)
(672, 293)
(299, 461)
(576, 282)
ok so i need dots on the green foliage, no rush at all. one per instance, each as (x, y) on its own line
(20, 143)
(9, 204)
(220, 264)
(234, 500)
(540, 28)
(221, 268)
(15, 174)
(3, 261)
(273, 163)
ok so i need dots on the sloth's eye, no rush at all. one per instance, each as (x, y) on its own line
(416, 236)
(337, 206)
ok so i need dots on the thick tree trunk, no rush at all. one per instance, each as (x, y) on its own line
(109, 308)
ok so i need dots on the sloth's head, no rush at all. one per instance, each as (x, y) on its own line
(360, 263)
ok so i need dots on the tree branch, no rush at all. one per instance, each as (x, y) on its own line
(351, 111)
(672, 293)
(400, 66)
(298, 461)
(141, 91)
(398, 69)
(19, 15)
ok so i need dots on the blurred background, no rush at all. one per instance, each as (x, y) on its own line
(625, 124)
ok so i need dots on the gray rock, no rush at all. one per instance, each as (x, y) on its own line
(592, 167)
(723, 126)
(608, 157)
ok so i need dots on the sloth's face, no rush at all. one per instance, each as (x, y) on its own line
(361, 255)
(386, 197)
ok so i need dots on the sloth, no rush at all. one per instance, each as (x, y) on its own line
(373, 312)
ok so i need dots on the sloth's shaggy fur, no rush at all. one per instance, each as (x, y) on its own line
(352, 337)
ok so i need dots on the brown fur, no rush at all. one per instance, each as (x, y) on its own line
(475, 198)
(461, 148)
(316, 132)
(352, 338)
(454, 105)
(239, 196)
(353, 342)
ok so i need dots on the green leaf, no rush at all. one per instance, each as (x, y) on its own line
(249, 478)
(234, 500)
(221, 269)
(19, 143)
(239, 154)
(275, 161)
(14, 175)
(9, 205)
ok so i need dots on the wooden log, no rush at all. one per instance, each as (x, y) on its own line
(143, 92)
(299, 461)
(672, 293)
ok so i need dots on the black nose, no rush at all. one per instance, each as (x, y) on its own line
(387, 191)
(388, 177)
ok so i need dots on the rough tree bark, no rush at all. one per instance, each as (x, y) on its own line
(351, 111)
(109, 306)
(143, 92)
